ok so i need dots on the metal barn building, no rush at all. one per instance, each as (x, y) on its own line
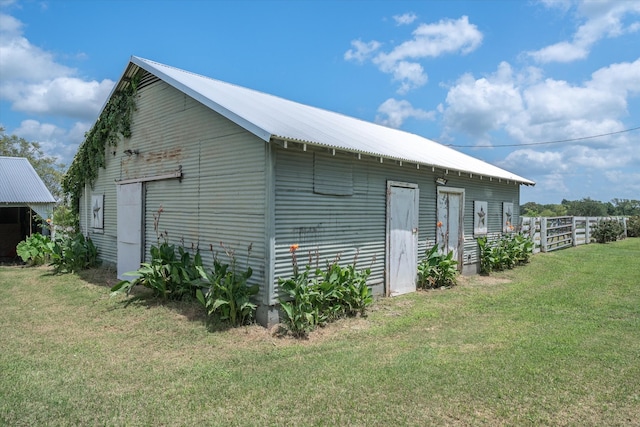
(22, 192)
(209, 162)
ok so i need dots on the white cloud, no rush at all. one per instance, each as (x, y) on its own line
(393, 113)
(559, 4)
(531, 109)
(62, 96)
(34, 82)
(361, 51)
(479, 106)
(433, 40)
(405, 18)
(560, 52)
(55, 141)
(20, 59)
(411, 75)
(446, 36)
(627, 184)
(601, 19)
(623, 78)
(557, 100)
(535, 161)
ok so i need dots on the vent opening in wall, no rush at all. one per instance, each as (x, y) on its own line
(332, 175)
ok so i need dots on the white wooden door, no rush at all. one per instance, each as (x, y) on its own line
(129, 236)
(402, 238)
(450, 226)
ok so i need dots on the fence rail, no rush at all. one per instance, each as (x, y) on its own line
(552, 233)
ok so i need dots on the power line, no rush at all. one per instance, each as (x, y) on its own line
(543, 143)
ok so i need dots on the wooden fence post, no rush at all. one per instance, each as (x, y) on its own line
(543, 234)
(532, 228)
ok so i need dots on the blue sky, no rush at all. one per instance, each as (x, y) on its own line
(492, 78)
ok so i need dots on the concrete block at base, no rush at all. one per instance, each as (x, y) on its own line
(471, 269)
(268, 315)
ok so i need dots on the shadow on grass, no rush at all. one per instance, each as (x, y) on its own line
(100, 276)
(141, 297)
(189, 308)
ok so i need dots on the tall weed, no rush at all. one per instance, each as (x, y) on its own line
(315, 298)
(507, 252)
(225, 293)
(437, 269)
(167, 275)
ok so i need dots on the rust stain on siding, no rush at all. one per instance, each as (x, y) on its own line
(159, 156)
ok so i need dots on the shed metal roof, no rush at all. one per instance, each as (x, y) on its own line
(270, 117)
(19, 183)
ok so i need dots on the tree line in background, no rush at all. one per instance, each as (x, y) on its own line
(583, 207)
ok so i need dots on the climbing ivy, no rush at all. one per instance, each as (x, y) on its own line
(113, 124)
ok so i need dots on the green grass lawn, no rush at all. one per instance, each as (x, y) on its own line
(556, 342)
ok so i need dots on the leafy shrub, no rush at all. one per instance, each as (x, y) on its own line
(72, 254)
(633, 226)
(329, 295)
(169, 276)
(505, 253)
(225, 293)
(300, 312)
(607, 230)
(437, 269)
(68, 254)
(35, 249)
(342, 291)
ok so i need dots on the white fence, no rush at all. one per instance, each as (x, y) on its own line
(552, 233)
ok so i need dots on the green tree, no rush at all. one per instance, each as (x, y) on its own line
(625, 207)
(537, 209)
(47, 167)
(585, 207)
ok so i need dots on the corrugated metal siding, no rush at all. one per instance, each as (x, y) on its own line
(105, 239)
(342, 225)
(494, 193)
(19, 182)
(335, 225)
(221, 197)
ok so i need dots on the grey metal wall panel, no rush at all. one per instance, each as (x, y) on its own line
(221, 196)
(494, 192)
(105, 239)
(342, 226)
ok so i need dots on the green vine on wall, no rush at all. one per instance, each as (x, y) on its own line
(113, 124)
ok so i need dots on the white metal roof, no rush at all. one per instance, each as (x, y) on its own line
(19, 183)
(269, 116)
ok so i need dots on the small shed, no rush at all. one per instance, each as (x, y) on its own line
(22, 192)
(208, 162)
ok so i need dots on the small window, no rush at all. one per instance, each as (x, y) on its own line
(332, 175)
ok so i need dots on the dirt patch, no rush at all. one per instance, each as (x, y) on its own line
(100, 276)
(278, 335)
